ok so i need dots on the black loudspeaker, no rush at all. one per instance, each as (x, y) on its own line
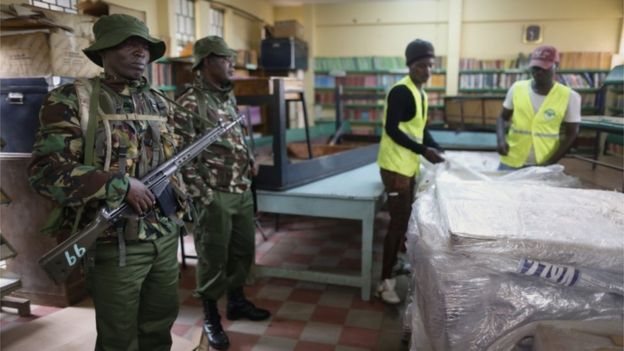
(284, 54)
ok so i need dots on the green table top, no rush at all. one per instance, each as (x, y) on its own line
(603, 123)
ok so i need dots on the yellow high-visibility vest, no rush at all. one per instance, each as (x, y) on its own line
(394, 157)
(541, 129)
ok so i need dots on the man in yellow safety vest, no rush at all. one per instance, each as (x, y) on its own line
(536, 108)
(404, 139)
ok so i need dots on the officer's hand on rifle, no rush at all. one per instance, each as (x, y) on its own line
(139, 197)
(254, 168)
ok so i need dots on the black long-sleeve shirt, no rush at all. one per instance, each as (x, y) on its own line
(402, 108)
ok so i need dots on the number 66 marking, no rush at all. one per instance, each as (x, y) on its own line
(71, 259)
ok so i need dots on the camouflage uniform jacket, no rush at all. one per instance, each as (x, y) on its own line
(225, 165)
(57, 169)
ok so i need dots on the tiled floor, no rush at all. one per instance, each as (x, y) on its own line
(310, 316)
(305, 316)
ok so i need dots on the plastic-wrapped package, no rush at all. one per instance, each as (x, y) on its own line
(566, 226)
(492, 256)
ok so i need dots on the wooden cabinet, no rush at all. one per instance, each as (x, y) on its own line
(21, 217)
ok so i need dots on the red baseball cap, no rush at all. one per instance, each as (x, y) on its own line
(544, 56)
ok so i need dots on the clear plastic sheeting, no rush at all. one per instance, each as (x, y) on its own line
(483, 166)
(566, 335)
(552, 175)
(492, 256)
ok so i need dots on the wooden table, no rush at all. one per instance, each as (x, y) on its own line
(356, 194)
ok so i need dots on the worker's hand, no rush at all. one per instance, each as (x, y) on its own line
(503, 148)
(255, 168)
(140, 197)
(432, 155)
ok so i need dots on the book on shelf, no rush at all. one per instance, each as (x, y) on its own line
(618, 102)
(254, 113)
(582, 80)
(436, 81)
(372, 114)
(160, 74)
(500, 64)
(588, 99)
(435, 99)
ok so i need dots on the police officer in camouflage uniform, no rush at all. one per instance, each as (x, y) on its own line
(132, 273)
(219, 181)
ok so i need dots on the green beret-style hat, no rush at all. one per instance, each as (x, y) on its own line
(113, 30)
(207, 46)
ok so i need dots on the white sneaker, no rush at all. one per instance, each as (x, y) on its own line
(402, 267)
(385, 290)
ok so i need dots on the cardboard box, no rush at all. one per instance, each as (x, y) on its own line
(25, 55)
(289, 28)
(40, 54)
(67, 57)
(41, 47)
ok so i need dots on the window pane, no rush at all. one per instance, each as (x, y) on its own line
(56, 5)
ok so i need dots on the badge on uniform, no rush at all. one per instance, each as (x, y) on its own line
(549, 114)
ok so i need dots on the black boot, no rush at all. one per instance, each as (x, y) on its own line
(212, 326)
(239, 307)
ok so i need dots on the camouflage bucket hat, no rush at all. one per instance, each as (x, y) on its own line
(112, 30)
(207, 46)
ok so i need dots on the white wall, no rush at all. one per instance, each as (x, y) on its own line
(379, 28)
(493, 29)
(488, 28)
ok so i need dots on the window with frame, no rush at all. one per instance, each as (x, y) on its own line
(68, 6)
(216, 22)
(185, 18)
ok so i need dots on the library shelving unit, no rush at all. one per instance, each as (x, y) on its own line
(361, 85)
(613, 105)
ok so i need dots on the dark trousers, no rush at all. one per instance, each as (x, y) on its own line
(135, 305)
(225, 244)
(400, 191)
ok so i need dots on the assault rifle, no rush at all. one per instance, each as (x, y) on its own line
(61, 260)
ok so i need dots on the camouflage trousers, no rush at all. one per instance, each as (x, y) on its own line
(135, 305)
(225, 244)
(400, 191)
